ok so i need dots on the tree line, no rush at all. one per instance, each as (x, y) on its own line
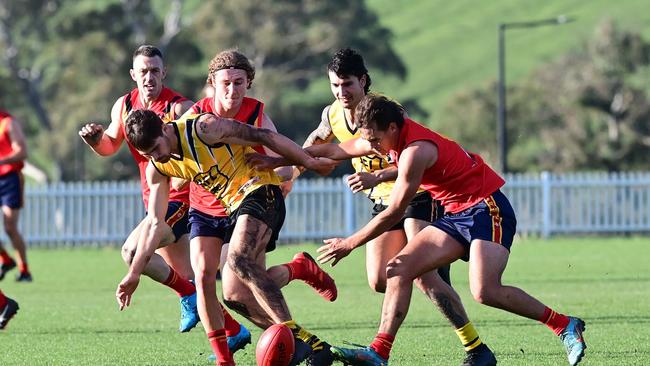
(65, 63)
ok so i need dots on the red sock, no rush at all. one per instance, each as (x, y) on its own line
(298, 269)
(3, 300)
(4, 256)
(219, 345)
(23, 268)
(182, 286)
(382, 344)
(230, 324)
(555, 321)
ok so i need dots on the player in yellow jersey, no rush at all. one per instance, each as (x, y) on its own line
(375, 176)
(210, 151)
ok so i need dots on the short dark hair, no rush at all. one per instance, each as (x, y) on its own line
(348, 62)
(380, 110)
(143, 127)
(148, 51)
(232, 59)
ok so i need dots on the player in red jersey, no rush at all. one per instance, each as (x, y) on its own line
(13, 152)
(231, 74)
(171, 264)
(478, 226)
(8, 308)
(375, 176)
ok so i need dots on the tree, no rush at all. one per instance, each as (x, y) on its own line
(290, 43)
(584, 111)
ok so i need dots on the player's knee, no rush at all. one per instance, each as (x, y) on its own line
(484, 295)
(205, 277)
(127, 254)
(397, 270)
(377, 283)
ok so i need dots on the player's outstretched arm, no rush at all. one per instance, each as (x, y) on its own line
(154, 232)
(213, 130)
(105, 142)
(343, 151)
(414, 160)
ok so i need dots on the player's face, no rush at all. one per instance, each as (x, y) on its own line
(160, 151)
(347, 90)
(148, 73)
(380, 141)
(230, 87)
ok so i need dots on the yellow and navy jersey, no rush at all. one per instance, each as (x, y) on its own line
(369, 163)
(221, 168)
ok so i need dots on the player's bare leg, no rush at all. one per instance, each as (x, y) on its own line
(11, 216)
(379, 252)
(205, 254)
(158, 270)
(239, 297)
(177, 255)
(248, 241)
(487, 263)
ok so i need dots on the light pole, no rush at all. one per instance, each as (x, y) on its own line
(502, 134)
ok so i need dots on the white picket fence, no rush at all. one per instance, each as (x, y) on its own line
(103, 213)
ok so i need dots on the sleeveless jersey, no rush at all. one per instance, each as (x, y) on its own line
(459, 179)
(5, 145)
(250, 112)
(370, 163)
(164, 108)
(220, 169)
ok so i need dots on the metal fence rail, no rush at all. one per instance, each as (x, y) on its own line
(103, 213)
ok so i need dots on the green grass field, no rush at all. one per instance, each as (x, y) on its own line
(69, 316)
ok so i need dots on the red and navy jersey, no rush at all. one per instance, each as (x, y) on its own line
(5, 145)
(163, 106)
(459, 179)
(250, 112)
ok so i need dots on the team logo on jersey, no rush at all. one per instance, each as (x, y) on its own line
(214, 181)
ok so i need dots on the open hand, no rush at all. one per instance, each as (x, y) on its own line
(125, 290)
(334, 250)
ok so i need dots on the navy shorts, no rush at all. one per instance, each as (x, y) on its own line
(11, 190)
(203, 224)
(266, 204)
(176, 218)
(492, 219)
(421, 207)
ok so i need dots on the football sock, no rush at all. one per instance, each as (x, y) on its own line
(182, 286)
(468, 336)
(296, 270)
(230, 324)
(382, 344)
(3, 300)
(4, 256)
(555, 321)
(304, 335)
(23, 268)
(219, 344)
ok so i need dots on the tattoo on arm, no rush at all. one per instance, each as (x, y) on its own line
(203, 127)
(323, 133)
